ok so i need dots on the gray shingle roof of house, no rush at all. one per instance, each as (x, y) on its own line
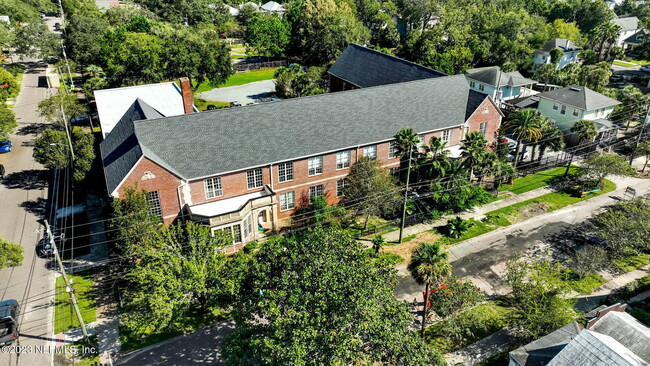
(561, 43)
(491, 74)
(208, 143)
(541, 351)
(627, 330)
(637, 38)
(580, 97)
(594, 349)
(627, 23)
(121, 150)
(365, 67)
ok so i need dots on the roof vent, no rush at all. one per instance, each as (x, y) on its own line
(573, 88)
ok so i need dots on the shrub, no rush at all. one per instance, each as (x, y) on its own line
(588, 259)
(455, 227)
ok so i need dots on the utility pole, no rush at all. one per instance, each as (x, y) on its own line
(68, 287)
(67, 131)
(638, 138)
(566, 172)
(65, 57)
(406, 191)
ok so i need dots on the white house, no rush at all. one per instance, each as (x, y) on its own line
(629, 26)
(273, 7)
(501, 86)
(543, 55)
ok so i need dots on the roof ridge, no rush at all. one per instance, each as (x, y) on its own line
(358, 46)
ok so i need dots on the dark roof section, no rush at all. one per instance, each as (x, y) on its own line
(491, 74)
(561, 43)
(203, 144)
(474, 100)
(637, 38)
(542, 351)
(365, 67)
(580, 97)
(525, 102)
(121, 150)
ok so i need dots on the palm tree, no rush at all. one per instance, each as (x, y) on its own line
(488, 165)
(525, 124)
(605, 34)
(407, 141)
(585, 130)
(455, 174)
(553, 139)
(429, 267)
(473, 150)
(435, 160)
(94, 71)
(502, 171)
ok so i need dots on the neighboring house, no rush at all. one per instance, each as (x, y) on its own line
(635, 39)
(629, 26)
(166, 98)
(247, 170)
(543, 55)
(249, 3)
(567, 105)
(233, 11)
(611, 4)
(613, 337)
(273, 8)
(501, 86)
(363, 67)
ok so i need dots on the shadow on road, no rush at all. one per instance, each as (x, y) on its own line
(37, 207)
(32, 179)
(32, 129)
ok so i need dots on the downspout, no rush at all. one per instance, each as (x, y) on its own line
(180, 202)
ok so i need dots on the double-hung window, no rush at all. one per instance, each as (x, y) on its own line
(472, 84)
(563, 109)
(340, 184)
(482, 128)
(154, 203)
(393, 151)
(212, 187)
(233, 232)
(248, 226)
(285, 172)
(576, 112)
(343, 159)
(446, 136)
(370, 151)
(556, 106)
(254, 178)
(287, 201)
(481, 87)
(315, 191)
(315, 165)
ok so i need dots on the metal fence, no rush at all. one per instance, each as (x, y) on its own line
(247, 67)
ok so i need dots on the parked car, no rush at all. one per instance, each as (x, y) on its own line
(645, 68)
(9, 310)
(5, 146)
(522, 156)
(57, 26)
(44, 247)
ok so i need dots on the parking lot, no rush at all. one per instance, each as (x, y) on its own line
(244, 94)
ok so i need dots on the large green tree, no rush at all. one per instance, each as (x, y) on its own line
(55, 107)
(52, 149)
(8, 123)
(293, 81)
(137, 59)
(11, 255)
(626, 226)
(266, 36)
(585, 130)
(321, 299)
(9, 87)
(600, 166)
(525, 124)
(473, 151)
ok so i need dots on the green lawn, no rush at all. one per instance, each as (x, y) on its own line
(629, 264)
(240, 79)
(64, 316)
(477, 228)
(585, 285)
(478, 323)
(624, 64)
(534, 181)
(202, 104)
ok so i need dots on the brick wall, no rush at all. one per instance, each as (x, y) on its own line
(486, 112)
(232, 185)
(337, 85)
(150, 176)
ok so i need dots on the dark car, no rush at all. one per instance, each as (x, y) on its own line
(44, 247)
(5, 146)
(57, 26)
(9, 310)
(598, 241)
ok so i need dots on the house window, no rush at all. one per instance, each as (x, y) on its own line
(254, 178)
(481, 87)
(563, 110)
(248, 223)
(446, 136)
(556, 106)
(370, 151)
(154, 203)
(393, 150)
(315, 165)
(472, 84)
(212, 187)
(285, 172)
(340, 184)
(287, 201)
(394, 171)
(343, 159)
(233, 232)
(315, 191)
(576, 112)
(482, 128)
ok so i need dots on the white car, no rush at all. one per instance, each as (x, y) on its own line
(523, 156)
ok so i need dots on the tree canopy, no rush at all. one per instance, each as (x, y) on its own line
(11, 255)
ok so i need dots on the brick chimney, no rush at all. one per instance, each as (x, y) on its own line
(186, 91)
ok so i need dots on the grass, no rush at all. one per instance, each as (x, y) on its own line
(404, 239)
(586, 284)
(477, 228)
(478, 322)
(194, 320)
(624, 64)
(64, 317)
(638, 62)
(202, 104)
(534, 181)
(79, 359)
(239, 79)
(629, 264)
(641, 311)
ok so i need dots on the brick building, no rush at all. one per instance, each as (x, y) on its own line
(247, 169)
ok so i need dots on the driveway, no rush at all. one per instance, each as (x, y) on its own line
(482, 259)
(23, 201)
(243, 94)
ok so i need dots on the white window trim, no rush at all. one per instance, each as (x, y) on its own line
(340, 194)
(280, 176)
(447, 140)
(280, 201)
(392, 150)
(254, 178)
(205, 187)
(556, 106)
(563, 110)
(321, 165)
(365, 152)
(349, 158)
(312, 195)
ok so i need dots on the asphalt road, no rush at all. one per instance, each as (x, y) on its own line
(23, 199)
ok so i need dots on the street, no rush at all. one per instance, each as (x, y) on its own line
(23, 199)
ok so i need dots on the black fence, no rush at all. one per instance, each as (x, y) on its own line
(247, 67)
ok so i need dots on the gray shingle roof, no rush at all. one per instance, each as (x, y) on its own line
(637, 38)
(541, 351)
(213, 142)
(561, 43)
(627, 330)
(627, 23)
(365, 67)
(580, 97)
(121, 150)
(594, 349)
(491, 74)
